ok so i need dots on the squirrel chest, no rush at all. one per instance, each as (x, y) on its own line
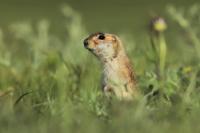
(113, 74)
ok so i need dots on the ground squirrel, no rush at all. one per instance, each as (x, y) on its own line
(118, 76)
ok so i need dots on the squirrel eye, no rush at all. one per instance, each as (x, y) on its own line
(101, 37)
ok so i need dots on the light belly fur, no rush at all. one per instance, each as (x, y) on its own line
(113, 80)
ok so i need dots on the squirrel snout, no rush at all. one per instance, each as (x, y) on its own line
(85, 42)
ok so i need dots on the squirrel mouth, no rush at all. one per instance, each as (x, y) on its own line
(85, 42)
(91, 50)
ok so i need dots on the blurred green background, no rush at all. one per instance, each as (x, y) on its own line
(49, 83)
(105, 15)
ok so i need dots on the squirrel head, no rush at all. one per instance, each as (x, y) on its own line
(103, 45)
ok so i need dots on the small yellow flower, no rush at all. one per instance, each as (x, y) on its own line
(187, 69)
(158, 24)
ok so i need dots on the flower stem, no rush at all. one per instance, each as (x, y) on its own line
(162, 54)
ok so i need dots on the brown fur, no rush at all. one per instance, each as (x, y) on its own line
(118, 76)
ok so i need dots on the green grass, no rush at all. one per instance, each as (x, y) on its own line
(50, 83)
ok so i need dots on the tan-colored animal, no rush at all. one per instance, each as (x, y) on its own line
(118, 76)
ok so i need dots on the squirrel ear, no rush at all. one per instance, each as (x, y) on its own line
(116, 45)
(117, 41)
(114, 38)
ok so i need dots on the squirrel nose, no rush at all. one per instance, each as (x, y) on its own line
(85, 42)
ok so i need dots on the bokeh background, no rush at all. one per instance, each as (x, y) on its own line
(49, 83)
(113, 15)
